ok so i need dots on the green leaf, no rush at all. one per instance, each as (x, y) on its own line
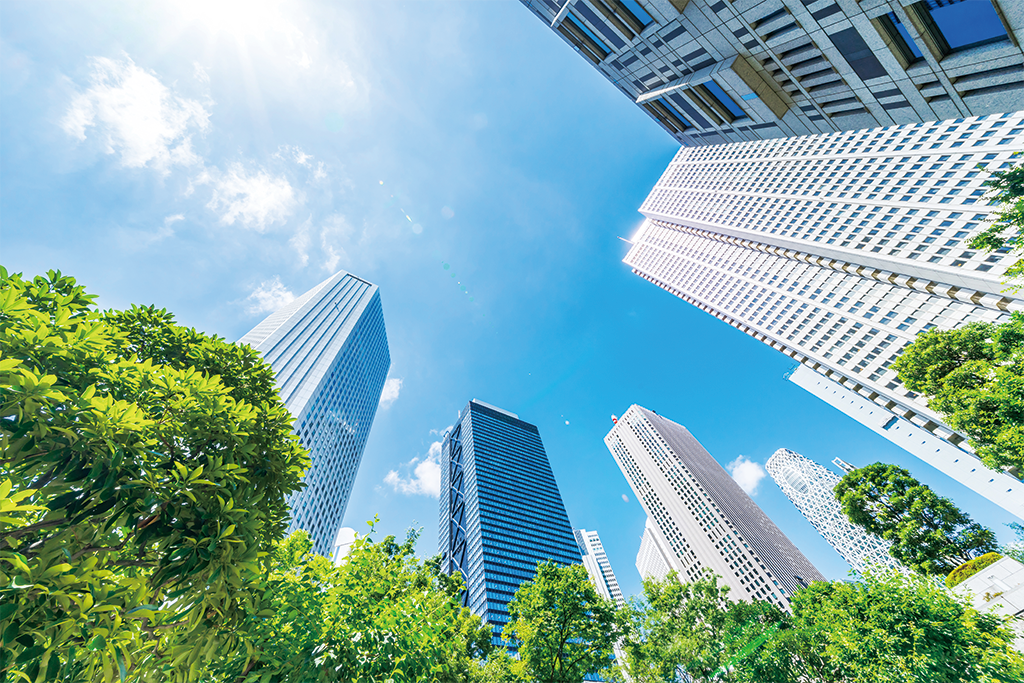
(98, 642)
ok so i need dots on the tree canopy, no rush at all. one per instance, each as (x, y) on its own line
(145, 469)
(929, 534)
(1005, 232)
(381, 615)
(974, 377)
(562, 627)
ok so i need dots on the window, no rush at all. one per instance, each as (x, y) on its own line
(954, 25)
(625, 15)
(900, 42)
(584, 40)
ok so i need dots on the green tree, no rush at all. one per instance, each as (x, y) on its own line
(893, 628)
(1004, 234)
(144, 474)
(563, 628)
(974, 377)
(928, 533)
(1015, 549)
(381, 615)
(693, 627)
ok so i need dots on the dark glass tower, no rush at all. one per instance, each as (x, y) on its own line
(501, 512)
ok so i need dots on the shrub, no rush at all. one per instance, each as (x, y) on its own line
(970, 568)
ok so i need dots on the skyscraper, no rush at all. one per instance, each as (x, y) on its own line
(701, 517)
(600, 569)
(651, 560)
(329, 351)
(837, 250)
(719, 72)
(500, 509)
(810, 486)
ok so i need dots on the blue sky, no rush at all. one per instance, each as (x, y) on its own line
(216, 161)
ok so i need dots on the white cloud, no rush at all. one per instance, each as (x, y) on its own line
(335, 229)
(256, 199)
(389, 395)
(199, 73)
(426, 475)
(269, 296)
(747, 473)
(300, 242)
(134, 240)
(136, 116)
(321, 172)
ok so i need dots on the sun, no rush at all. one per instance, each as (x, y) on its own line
(238, 18)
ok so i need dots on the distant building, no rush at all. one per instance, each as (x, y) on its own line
(329, 351)
(500, 509)
(343, 543)
(837, 250)
(598, 567)
(701, 517)
(810, 486)
(719, 72)
(651, 561)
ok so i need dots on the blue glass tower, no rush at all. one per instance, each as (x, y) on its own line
(501, 512)
(330, 354)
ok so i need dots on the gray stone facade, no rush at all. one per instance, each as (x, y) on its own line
(714, 72)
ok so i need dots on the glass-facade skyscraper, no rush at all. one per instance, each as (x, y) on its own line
(700, 517)
(837, 250)
(329, 351)
(500, 509)
(810, 486)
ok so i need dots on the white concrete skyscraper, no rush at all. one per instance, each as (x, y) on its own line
(837, 250)
(600, 569)
(329, 351)
(651, 560)
(700, 516)
(810, 486)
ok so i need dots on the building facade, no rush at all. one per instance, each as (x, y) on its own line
(598, 567)
(838, 249)
(810, 486)
(718, 72)
(329, 351)
(652, 560)
(700, 516)
(500, 509)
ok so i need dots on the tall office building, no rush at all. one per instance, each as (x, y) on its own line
(501, 512)
(701, 517)
(329, 351)
(651, 560)
(598, 567)
(713, 72)
(810, 486)
(837, 250)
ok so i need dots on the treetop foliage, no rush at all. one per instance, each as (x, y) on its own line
(1004, 234)
(145, 469)
(974, 377)
(929, 534)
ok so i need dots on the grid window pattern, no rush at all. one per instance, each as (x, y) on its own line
(500, 509)
(836, 249)
(700, 516)
(722, 72)
(651, 561)
(598, 567)
(329, 351)
(810, 486)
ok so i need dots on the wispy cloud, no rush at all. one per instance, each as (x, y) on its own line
(254, 198)
(300, 242)
(747, 473)
(269, 296)
(425, 478)
(136, 116)
(335, 230)
(392, 387)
